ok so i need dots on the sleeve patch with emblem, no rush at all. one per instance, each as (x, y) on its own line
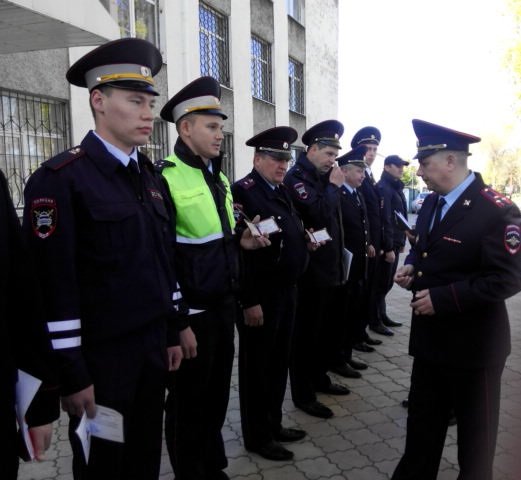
(300, 188)
(512, 239)
(44, 216)
(247, 183)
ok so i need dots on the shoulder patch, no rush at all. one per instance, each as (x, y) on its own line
(247, 183)
(64, 158)
(512, 239)
(160, 165)
(496, 198)
(44, 216)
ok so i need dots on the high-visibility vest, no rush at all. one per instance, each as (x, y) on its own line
(197, 219)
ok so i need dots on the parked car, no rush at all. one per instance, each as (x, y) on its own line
(417, 203)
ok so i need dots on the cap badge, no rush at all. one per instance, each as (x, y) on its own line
(336, 136)
(285, 145)
(146, 72)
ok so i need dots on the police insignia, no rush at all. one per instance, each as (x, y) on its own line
(301, 190)
(155, 194)
(496, 198)
(512, 239)
(44, 215)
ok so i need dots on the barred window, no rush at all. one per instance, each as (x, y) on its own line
(296, 86)
(213, 44)
(261, 69)
(295, 153)
(296, 10)
(32, 129)
(157, 147)
(136, 18)
(228, 165)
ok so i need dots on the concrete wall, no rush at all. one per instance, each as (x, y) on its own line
(321, 68)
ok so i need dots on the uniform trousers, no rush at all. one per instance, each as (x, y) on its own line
(474, 394)
(385, 283)
(263, 365)
(356, 319)
(371, 292)
(129, 376)
(315, 328)
(198, 396)
(9, 450)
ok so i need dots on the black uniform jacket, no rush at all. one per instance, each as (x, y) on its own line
(318, 202)
(208, 271)
(103, 251)
(25, 344)
(471, 263)
(374, 203)
(356, 232)
(393, 200)
(284, 261)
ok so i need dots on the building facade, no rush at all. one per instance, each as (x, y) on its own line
(275, 59)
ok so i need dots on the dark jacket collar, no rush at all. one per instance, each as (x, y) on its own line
(393, 182)
(305, 164)
(182, 151)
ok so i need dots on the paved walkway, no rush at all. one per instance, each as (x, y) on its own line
(365, 438)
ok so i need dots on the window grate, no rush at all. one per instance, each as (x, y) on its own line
(295, 153)
(213, 44)
(32, 130)
(157, 147)
(228, 165)
(261, 69)
(296, 86)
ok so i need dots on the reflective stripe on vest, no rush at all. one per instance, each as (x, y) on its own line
(197, 219)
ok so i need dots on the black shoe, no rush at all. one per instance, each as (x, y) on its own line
(315, 409)
(372, 341)
(405, 403)
(356, 364)
(363, 347)
(391, 323)
(273, 451)
(382, 330)
(334, 389)
(345, 370)
(289, 435)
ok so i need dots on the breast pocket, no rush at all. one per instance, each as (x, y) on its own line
(111, 227)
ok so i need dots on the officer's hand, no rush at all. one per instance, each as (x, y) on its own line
(188, 343)
(175, 355)
(390, 256)
(249, 242)
(80, 402)
(312, 246)
(371, 252)
(336, 176)
(41, 440)
(253, 316)
(422, 303)
(404, 276)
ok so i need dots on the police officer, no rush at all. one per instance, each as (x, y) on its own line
(371, 137)
(466, 261)
(25, 345)
(391, 188)
(268, 295)
(357, 240)
(314, 184)
(207, 261)
(97, 219)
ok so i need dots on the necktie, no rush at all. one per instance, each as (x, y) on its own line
(355, 196)
(133, 171)
(437, 214)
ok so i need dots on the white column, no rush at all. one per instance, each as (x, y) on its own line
(240, 45)
(181, 47)
(280, 62)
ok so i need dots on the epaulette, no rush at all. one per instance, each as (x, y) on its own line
(64, 158)
(496, 198)
(160, 165)
(247, 183)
